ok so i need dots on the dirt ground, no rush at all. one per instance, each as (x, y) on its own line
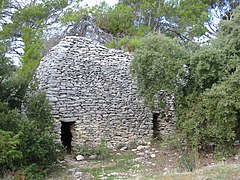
(148, 162)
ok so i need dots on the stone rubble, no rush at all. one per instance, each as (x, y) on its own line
(145, 157)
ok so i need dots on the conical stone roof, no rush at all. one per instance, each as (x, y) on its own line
(89, 85)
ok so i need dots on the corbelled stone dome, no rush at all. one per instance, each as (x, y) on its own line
(92, 94)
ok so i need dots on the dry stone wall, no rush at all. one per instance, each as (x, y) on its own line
(89, 85)
(164, 119)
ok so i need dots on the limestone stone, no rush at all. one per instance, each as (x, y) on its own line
(140, 147)
(152, 155)
(93, 157)
(79, 158)
(124, 148)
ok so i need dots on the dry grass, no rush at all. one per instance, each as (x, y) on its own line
(217, 172)
(165, 166)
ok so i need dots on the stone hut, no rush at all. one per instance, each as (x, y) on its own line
(92, 95)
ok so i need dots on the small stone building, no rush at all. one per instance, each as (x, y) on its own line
(92, 95)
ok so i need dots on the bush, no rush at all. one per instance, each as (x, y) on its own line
(156, 65)
(10, 155)
(28, 144)
(9, 119)
(205, 82)
(13, 90)
(37, 145)
(39, 110)
(37, 141)
(126, 43)
(211, 119)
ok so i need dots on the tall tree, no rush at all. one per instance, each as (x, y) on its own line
(27, 25)
(116, 20)
(184, 18)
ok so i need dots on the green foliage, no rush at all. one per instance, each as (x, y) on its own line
(71, 16)
(6, 66)
(37, 140)
(229, 37)
(211, 114)
(187, 158)
(34, 171)
(7, 69)
(13, 91)
(211, 119)
(37, 145)
(27, 143)
(207, 66)
(39, 110)
(184, 19)
(10, 119)
(9, 152)
(156, 65)
(33, 51)
(127, 43)
(115, 20)
(205, 82)
(2, 4)
(191, 16)
(102, 151)
(28, 23)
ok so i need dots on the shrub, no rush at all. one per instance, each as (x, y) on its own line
(126, 43)
(211, 118)
(205, 82)
(9, 119)
(13, 90)
(37, 141)
(156, 65)
(37, 145)
(39, 110)
(10, 155)
(28, 144)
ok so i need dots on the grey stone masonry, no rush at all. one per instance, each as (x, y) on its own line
(89, 85)
(166, 117)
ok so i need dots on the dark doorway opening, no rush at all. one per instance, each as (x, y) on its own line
(66, 135)
(238, 128)
(156, 125)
